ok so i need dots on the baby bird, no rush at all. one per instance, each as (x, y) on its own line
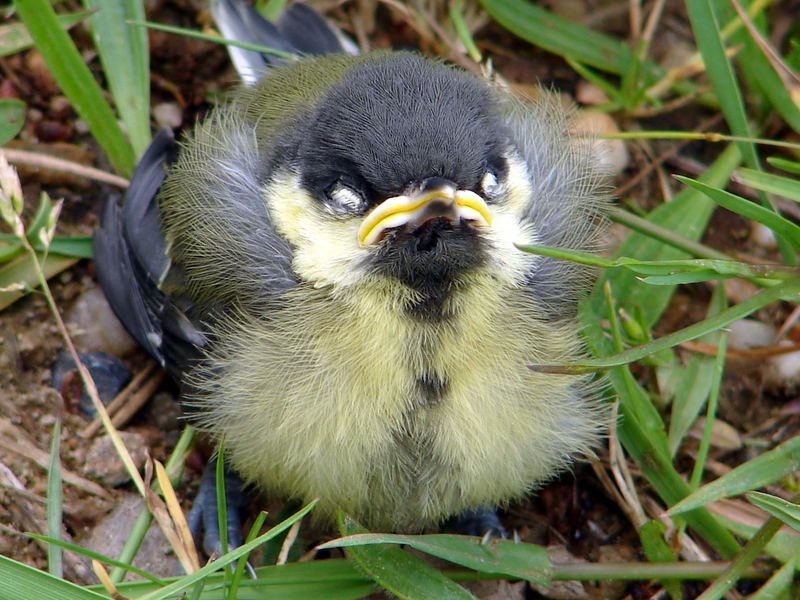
(327, 265)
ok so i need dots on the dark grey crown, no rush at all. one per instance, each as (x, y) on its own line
(397, 120)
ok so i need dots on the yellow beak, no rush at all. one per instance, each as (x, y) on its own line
(414, 210)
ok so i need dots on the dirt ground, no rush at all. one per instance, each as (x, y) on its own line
(576, 511)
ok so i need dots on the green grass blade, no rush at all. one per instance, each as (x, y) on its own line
(406, 576)
(39, 219)
(779, 586)
(222, 504)
(270, 9)
(241, 565)
(656, 549)
(687, 214)
(21, 270)
(695, 382)
(12, 118)
(75, 79)
(23, 581)
(667, 236)
(773, 184)
(140, 526)
(788, 512)
(764, 469)
(456, 14)
(633, 402)
(658, 272)
(76, 247)
(684, 278)
(331, 579)
(765, 297)
(719, 301)
(560, 36)
(709, 41)
(526, 561)
(743, 561)
(14, 37)
(654, 462)
(708, 37)
(784, 546)
(54, 503)
(790, 166)
(97, 556)
(10, 248)
(215, 39)
(749, 210)
(188, 581)
(124, 54)
(762, 74)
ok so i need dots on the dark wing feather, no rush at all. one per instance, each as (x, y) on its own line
(130, 250)
(299, 30)
(308, 32)
(130, 259)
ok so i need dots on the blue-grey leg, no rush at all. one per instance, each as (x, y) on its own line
(203, 517)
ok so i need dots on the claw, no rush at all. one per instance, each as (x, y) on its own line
(482, 521)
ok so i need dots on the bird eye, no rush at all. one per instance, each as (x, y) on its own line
(490, 186)
(344, 199)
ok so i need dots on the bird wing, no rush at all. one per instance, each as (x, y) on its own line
(131, 260)
(141, 283)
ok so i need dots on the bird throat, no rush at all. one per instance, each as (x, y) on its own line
(435, 262)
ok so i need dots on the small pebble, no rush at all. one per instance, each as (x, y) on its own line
(103, 463)
(96, 328)
(783, 370)
(109, 375)
(763, 236)
(60, 107)
(723, 435)
(739, 290)
(748, 333)
(49, 131)
(110, 534)
(168, 114)
(589, 94)
(613, 153)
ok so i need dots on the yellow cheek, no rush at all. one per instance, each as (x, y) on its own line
(326, 249)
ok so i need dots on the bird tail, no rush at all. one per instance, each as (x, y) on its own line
(300, 30)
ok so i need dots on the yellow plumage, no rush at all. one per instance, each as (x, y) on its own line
(334, 387)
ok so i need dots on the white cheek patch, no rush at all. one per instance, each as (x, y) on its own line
(326, 250)
(509, 227)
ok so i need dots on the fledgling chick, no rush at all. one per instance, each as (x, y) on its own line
(328, 267)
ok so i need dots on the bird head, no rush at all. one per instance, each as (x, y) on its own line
(403, 168)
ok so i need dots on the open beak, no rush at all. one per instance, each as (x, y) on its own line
(417, 209)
